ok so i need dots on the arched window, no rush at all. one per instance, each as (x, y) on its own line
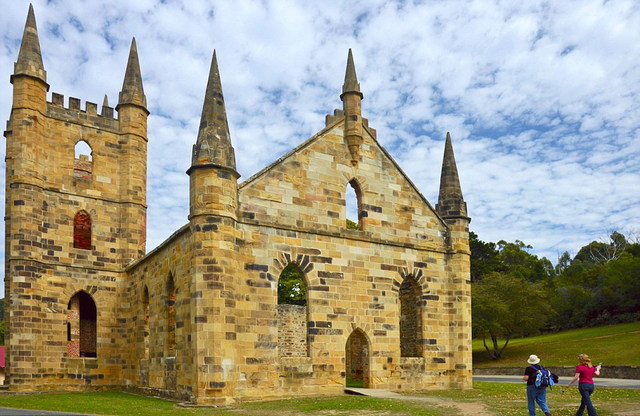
(82, 231)
(353, 205)
(145, 322)
(292, 313)
(82, 163)
(171, 317)
(410, 318)
(81, 326)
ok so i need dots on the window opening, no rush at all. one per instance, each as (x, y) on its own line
(83, 161)
(145, 322)
(410, 318)
(292, 313)
(82, 231)
(353, 205)
(171, 317)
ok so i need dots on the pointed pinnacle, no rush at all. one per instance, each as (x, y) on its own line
(132, 89)
(213, 145)
(450, 200)
(351, 84)
(105, 102)
(30, 58)
(449, 179)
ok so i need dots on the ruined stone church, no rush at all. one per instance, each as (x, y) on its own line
(386, 303)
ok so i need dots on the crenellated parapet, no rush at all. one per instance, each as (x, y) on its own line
(74, 113)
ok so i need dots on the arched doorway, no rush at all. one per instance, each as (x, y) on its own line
(81, 326)
(357, 360)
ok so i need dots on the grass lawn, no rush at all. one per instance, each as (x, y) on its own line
(612, 344)
(129, 404)
(501, 399)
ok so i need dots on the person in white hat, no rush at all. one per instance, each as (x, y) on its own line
(535, 394)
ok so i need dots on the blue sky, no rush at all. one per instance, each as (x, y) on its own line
(541, 98)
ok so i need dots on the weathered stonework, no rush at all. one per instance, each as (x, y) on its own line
(197, 318)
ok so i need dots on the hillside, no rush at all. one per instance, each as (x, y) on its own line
(611, 344)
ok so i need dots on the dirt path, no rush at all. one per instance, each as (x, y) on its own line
(464, 408)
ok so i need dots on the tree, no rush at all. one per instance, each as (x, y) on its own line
(518, 261)
(291, 286)
(605, 250)
(504, 257)
(484, 257)
(352, 225)
(505, 306)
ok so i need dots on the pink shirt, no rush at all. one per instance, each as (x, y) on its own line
(586, 373)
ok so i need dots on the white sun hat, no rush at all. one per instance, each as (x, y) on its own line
(533, 359)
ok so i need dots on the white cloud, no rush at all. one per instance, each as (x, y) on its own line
(541, 98)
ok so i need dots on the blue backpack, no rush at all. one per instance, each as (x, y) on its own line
(544, 378)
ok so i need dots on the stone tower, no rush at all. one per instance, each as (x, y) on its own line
(453, 210)
(213, 219)
(75, 217)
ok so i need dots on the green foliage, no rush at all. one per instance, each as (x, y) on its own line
(505, 306)
(600, 285)
(292, 289)
(597, 289)
(612, 344)
(351, 225)
(484, 257)
(510, 258)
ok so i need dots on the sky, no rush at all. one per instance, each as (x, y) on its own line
(542, 98)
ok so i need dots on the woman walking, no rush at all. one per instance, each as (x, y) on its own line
(584, 374)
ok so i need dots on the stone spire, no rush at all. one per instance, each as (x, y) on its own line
(351, 103)
(450, 201)
(213, 146)
(29, 61)
(351, 84)
(132, 90)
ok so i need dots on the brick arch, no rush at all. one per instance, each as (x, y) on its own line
(362, 182)
(416, 274)
(72, 288)
(284, 259)
(364, 328)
